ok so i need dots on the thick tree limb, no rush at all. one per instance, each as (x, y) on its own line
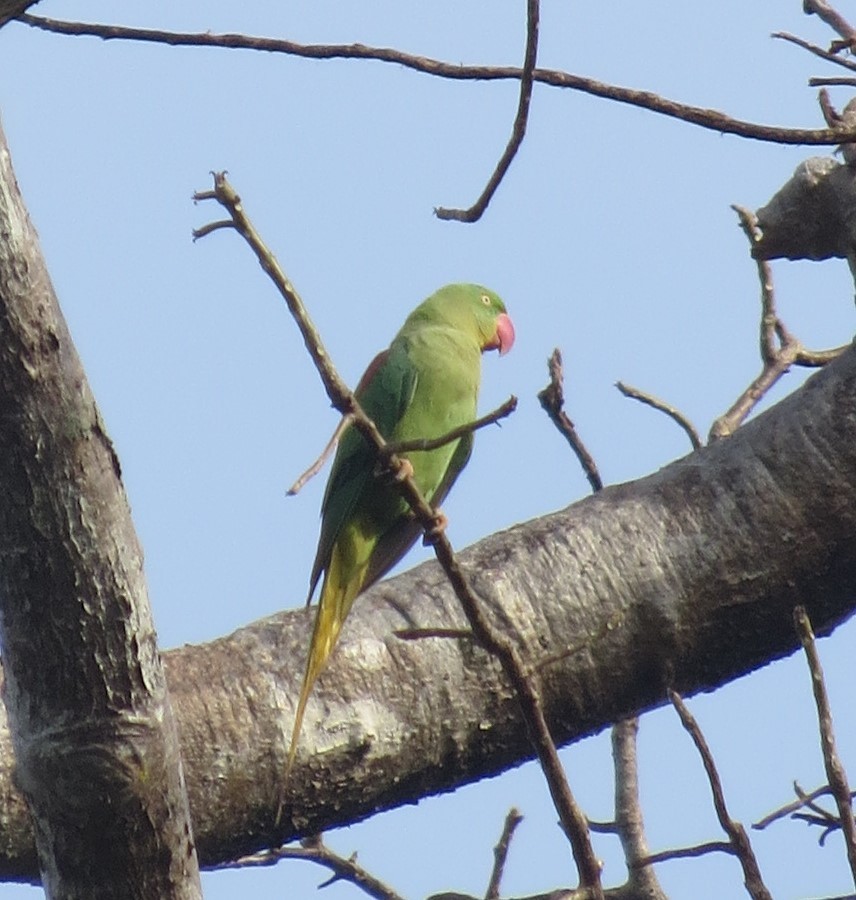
(95, 741)
(700, 566)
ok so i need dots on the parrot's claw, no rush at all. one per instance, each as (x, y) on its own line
(433, 533)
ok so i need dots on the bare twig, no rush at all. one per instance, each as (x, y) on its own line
(518, 131)
(686, 852)
(501, 412)
(500, 853)
(552, 400)
(804, 799)
(828, 821)
(403, 446)
(316, 467)
(695, 115)
(841, 81)
(315, 850)
(835, 773)
(828, 55)
(735, 831)
(779, 348)
(675, 414)
(628, 811)
(493, 641)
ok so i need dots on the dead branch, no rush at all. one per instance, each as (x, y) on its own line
(737, 836)
(500, 853)
(642, 879)
(518, 131)
(835, 772)
(673, 413)
(552, 400)
(316, 467)
(779, 349)
(695, 115)
(501, 412)
(828, 55)
(315, 850)
(804, 799)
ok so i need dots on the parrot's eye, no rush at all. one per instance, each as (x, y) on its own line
(485, 299)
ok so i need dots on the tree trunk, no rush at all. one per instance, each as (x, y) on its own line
(95, 744)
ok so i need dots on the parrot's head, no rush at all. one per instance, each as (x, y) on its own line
(474, 309)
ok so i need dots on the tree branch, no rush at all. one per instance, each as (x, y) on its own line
(315, 850)
(778, 347)
(500, 853)
(648, 578)
(491, 418)
(741, 846)
(835, 773)
(695, 115)
(518, 131)
(655, 403)
(552, 399)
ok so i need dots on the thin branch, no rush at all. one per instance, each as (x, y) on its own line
(552, 400)
(211, 226)
(835, 772)
(315, 850)
(769, 317)
(804, 800)
(500, 853)
(652, 401)
(735, 831)
(628, 811)
(842, 81)
(316, 467)
(828, 55)
(779, 348)
(695, 115)
(828, 821)
(493, 641)
(518, 130)
(501, 412)
(686, 853)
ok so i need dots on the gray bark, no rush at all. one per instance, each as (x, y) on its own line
(94, 738)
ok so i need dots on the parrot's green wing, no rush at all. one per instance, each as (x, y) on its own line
(384, 392)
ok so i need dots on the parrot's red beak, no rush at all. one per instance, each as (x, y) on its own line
(503, 340)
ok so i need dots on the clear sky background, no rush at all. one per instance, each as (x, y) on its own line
(611, 237)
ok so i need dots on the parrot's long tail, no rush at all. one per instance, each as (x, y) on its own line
(337, 597)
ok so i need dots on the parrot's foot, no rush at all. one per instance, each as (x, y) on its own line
(405, 470)
(433, 533)
(387, 474)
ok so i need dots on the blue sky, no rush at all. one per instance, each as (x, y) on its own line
(611, 237)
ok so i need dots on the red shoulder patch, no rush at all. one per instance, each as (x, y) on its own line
(371, 371)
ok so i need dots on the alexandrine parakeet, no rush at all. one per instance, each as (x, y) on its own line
(423, 386)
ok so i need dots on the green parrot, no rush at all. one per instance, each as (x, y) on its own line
(423, 386)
